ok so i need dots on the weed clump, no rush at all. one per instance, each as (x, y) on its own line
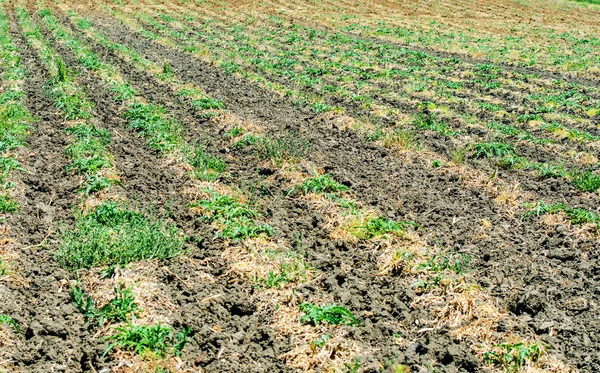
(587, 181)
(118, 309)
(149, 340)
(319, 184)
(207, 167)
(576, 214)
(235, 219)
(381, 226)
(111, 234)
(514, 356)
(334, 315)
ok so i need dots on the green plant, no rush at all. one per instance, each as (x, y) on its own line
(144, 340)
(381, 226)
(587, 181)
(457, 263)
(4, 319)
(404, 139)
(333, 314)
(150, 120)
(118, 309)
(234, 132)
(289, 147)
(458, 155)
(319, 342)
(62, 73)
(111, 234)
(353, 367)
(319, 184)
(514, 356)
(236, 220)
(493, 150)
(167, 70)
(428, 121)
(7, 204)
(207, 167)
(577, 215)
(247, 140)
(206, 103)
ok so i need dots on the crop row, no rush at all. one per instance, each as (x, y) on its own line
(428, 118)
(226, 213)
(544, 46)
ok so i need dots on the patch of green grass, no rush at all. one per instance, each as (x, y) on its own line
(234, 132)
(70, 100)
(121, 308)
(546, 170)
(112, 234)
(577, 215)
(492, 150)
(319, 184)
(7, 204)
(587, 181)
(149, 340)
(236, 220)
(150, 120)
(404, 139)
(380, 226)
(247, 140)
(514, 356)
(432, 123)
(206, 103)
(207, 167)
(167, 70)
(333, 314)
(289, 147)
(5, 319)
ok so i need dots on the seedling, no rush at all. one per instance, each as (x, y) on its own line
(319, 342)
(4, 319)
(206, 103)
(514, 356)
(62, 73)
(167, 70)
(146, 340)
(333, 314)
(150, 120)
(289, 147)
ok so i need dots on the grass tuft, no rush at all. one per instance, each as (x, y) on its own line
(120, 308)
(147, 340)
(236, 220)
(577, 215)
(381, 226)
(111, 234)
(319, 184)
